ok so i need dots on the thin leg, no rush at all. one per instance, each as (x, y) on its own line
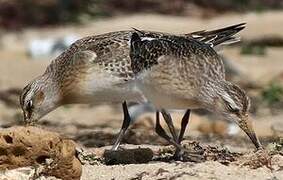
(161, 132)
(184, 123)
(168, 119)
(125, 125)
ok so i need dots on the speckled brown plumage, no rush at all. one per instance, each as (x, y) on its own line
(183, 73)
(102, 70)
(198, 53)
(112, 49)
(97, 69)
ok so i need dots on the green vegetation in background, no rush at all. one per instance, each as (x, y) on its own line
(247, 49)
(16, 14)
(273, 93)
(20, 13)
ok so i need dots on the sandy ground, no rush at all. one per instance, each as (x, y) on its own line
(95, 127)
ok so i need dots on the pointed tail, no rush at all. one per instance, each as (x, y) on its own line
(218, 37)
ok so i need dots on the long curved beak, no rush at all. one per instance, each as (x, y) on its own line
(246, 125)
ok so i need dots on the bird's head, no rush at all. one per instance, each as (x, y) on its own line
(38, 98)
(233, 104)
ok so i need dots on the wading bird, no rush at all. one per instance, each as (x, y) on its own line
(184, 73)
(97, 69)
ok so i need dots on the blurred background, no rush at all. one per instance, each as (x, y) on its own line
(32, 33)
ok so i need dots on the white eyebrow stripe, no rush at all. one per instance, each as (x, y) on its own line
(230, 101)
(196, 36)
(143, 39)
(147, 38)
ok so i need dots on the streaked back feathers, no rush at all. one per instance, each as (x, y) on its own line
(193, 55)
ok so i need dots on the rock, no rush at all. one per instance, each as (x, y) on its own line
(128, 156)
(32, 146)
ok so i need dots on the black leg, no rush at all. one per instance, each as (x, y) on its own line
(161, 132)
(125, 125)
(168, 119)
(184, 123)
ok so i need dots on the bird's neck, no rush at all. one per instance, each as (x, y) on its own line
(211, 93)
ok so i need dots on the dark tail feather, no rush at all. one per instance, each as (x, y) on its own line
(134, 51)
(219, 36)
(135, 41)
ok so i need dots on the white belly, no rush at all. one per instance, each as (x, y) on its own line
(117, 94)
(162, 99)
(103, 88)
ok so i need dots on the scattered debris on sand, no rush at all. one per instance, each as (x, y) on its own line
(202, 153)
(256, 160)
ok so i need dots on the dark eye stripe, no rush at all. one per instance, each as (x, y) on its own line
(233, 110)
(29, 106)
(24, 93)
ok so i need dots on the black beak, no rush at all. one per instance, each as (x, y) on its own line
(255, 140)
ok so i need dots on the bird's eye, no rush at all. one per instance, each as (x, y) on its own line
(29, 106)
(234, 110)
